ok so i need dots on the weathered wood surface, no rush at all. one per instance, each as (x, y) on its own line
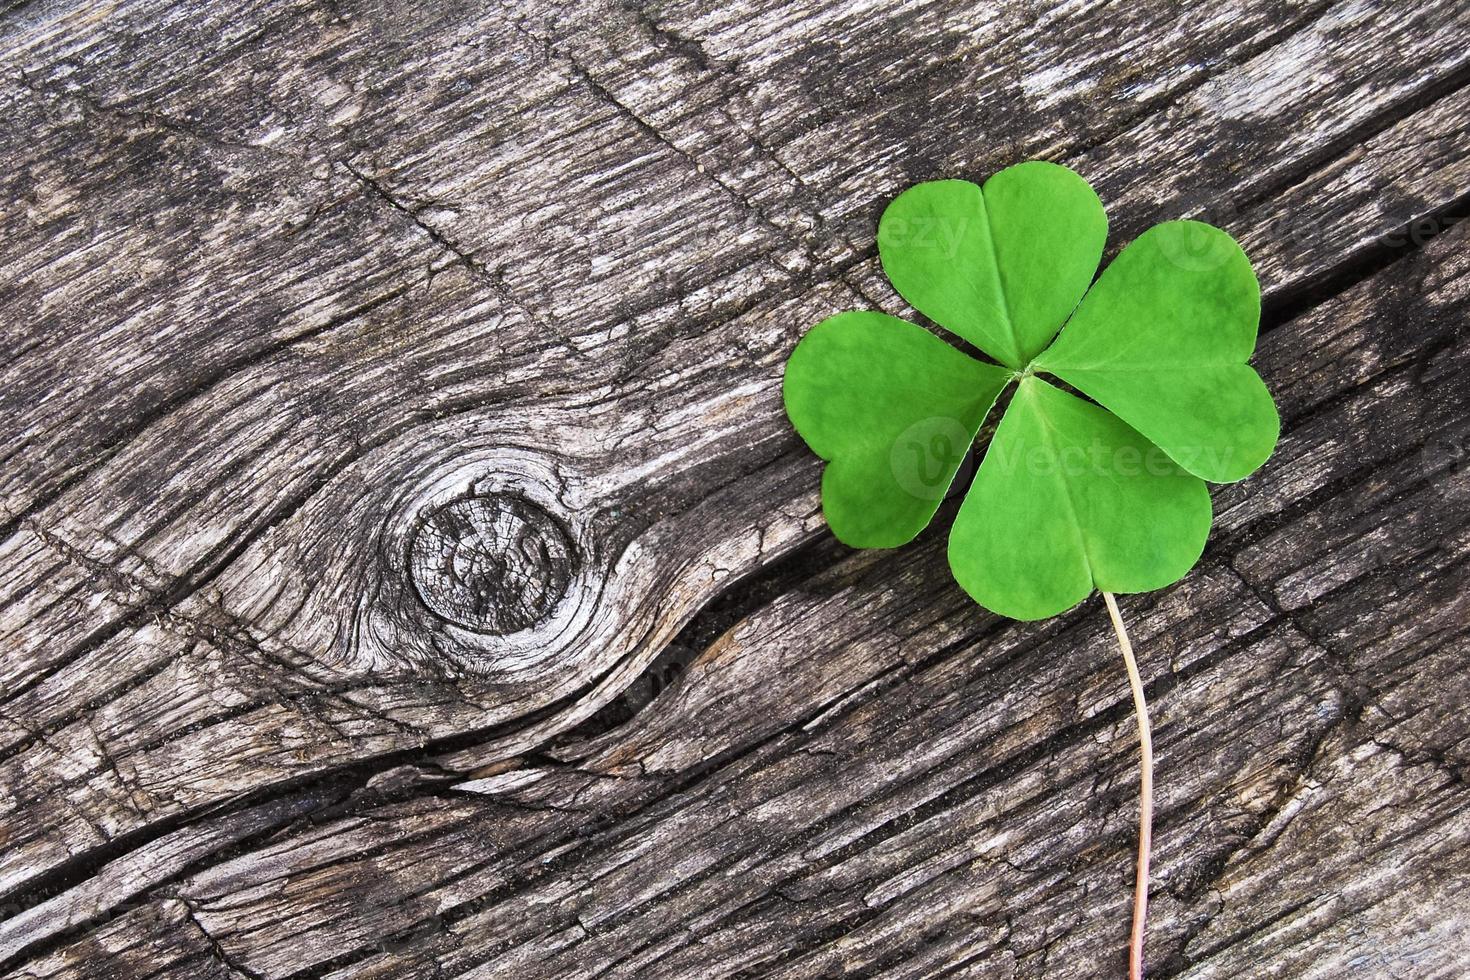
(406, 568)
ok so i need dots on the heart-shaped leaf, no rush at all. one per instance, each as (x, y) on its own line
(1162, 339)
(893, 409)
(1002, 265)
(1069, 498)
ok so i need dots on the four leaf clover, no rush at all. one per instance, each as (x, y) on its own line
(1095, 475)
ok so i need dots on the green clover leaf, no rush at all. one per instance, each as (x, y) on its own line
(1071, 494)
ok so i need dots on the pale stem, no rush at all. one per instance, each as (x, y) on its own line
(1145, 793)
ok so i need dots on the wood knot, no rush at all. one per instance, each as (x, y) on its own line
(494, 563)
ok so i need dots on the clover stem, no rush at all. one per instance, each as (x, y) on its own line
(1145, 793)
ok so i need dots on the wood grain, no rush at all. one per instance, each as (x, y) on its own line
(406, 568)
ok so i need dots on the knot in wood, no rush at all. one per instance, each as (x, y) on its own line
(492, 564)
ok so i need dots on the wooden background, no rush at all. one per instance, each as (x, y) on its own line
(407, 570)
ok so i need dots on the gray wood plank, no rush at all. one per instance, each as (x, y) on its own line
(288, 285)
